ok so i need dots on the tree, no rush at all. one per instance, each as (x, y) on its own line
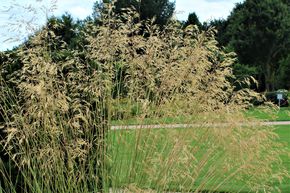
(259, 32)
(193, 20)
(220, 25)
(66, 28)
(161, 10)
(283, 80)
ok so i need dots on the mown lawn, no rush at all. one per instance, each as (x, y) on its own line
(131, 150)
(265, 114)
(284, 134)
(270, 114)
(128, 149)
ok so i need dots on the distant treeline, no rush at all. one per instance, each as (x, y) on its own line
(257, 31)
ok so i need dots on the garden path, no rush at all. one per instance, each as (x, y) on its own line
(196, 125)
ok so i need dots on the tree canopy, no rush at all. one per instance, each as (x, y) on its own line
(161, 10)
(259, 32)
(193, 20)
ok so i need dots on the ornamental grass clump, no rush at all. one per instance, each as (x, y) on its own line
(58, 134)
(59, 126)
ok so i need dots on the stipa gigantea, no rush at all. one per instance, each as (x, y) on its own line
(175, 72)
(59, 135)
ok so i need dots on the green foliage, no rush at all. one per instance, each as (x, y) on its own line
(259, 33)
(65, 28)
(10, 62)
(244, 76)
(244, 71)
(282, 78)
(221, 26)
(193, 20)
(161, 10)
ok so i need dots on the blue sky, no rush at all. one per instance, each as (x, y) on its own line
(14, 13)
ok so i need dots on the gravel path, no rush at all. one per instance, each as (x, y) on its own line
(172, 126)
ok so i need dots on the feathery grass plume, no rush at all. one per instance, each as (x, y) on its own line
(58, 134)
(179, 72)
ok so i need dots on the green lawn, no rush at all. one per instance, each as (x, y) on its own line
(126, 152)
(271, 114)
(137, 155)
(284, 134)
(266, 114)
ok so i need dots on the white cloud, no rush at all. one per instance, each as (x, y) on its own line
(80, 12)
(78, 9)
(205, 9)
